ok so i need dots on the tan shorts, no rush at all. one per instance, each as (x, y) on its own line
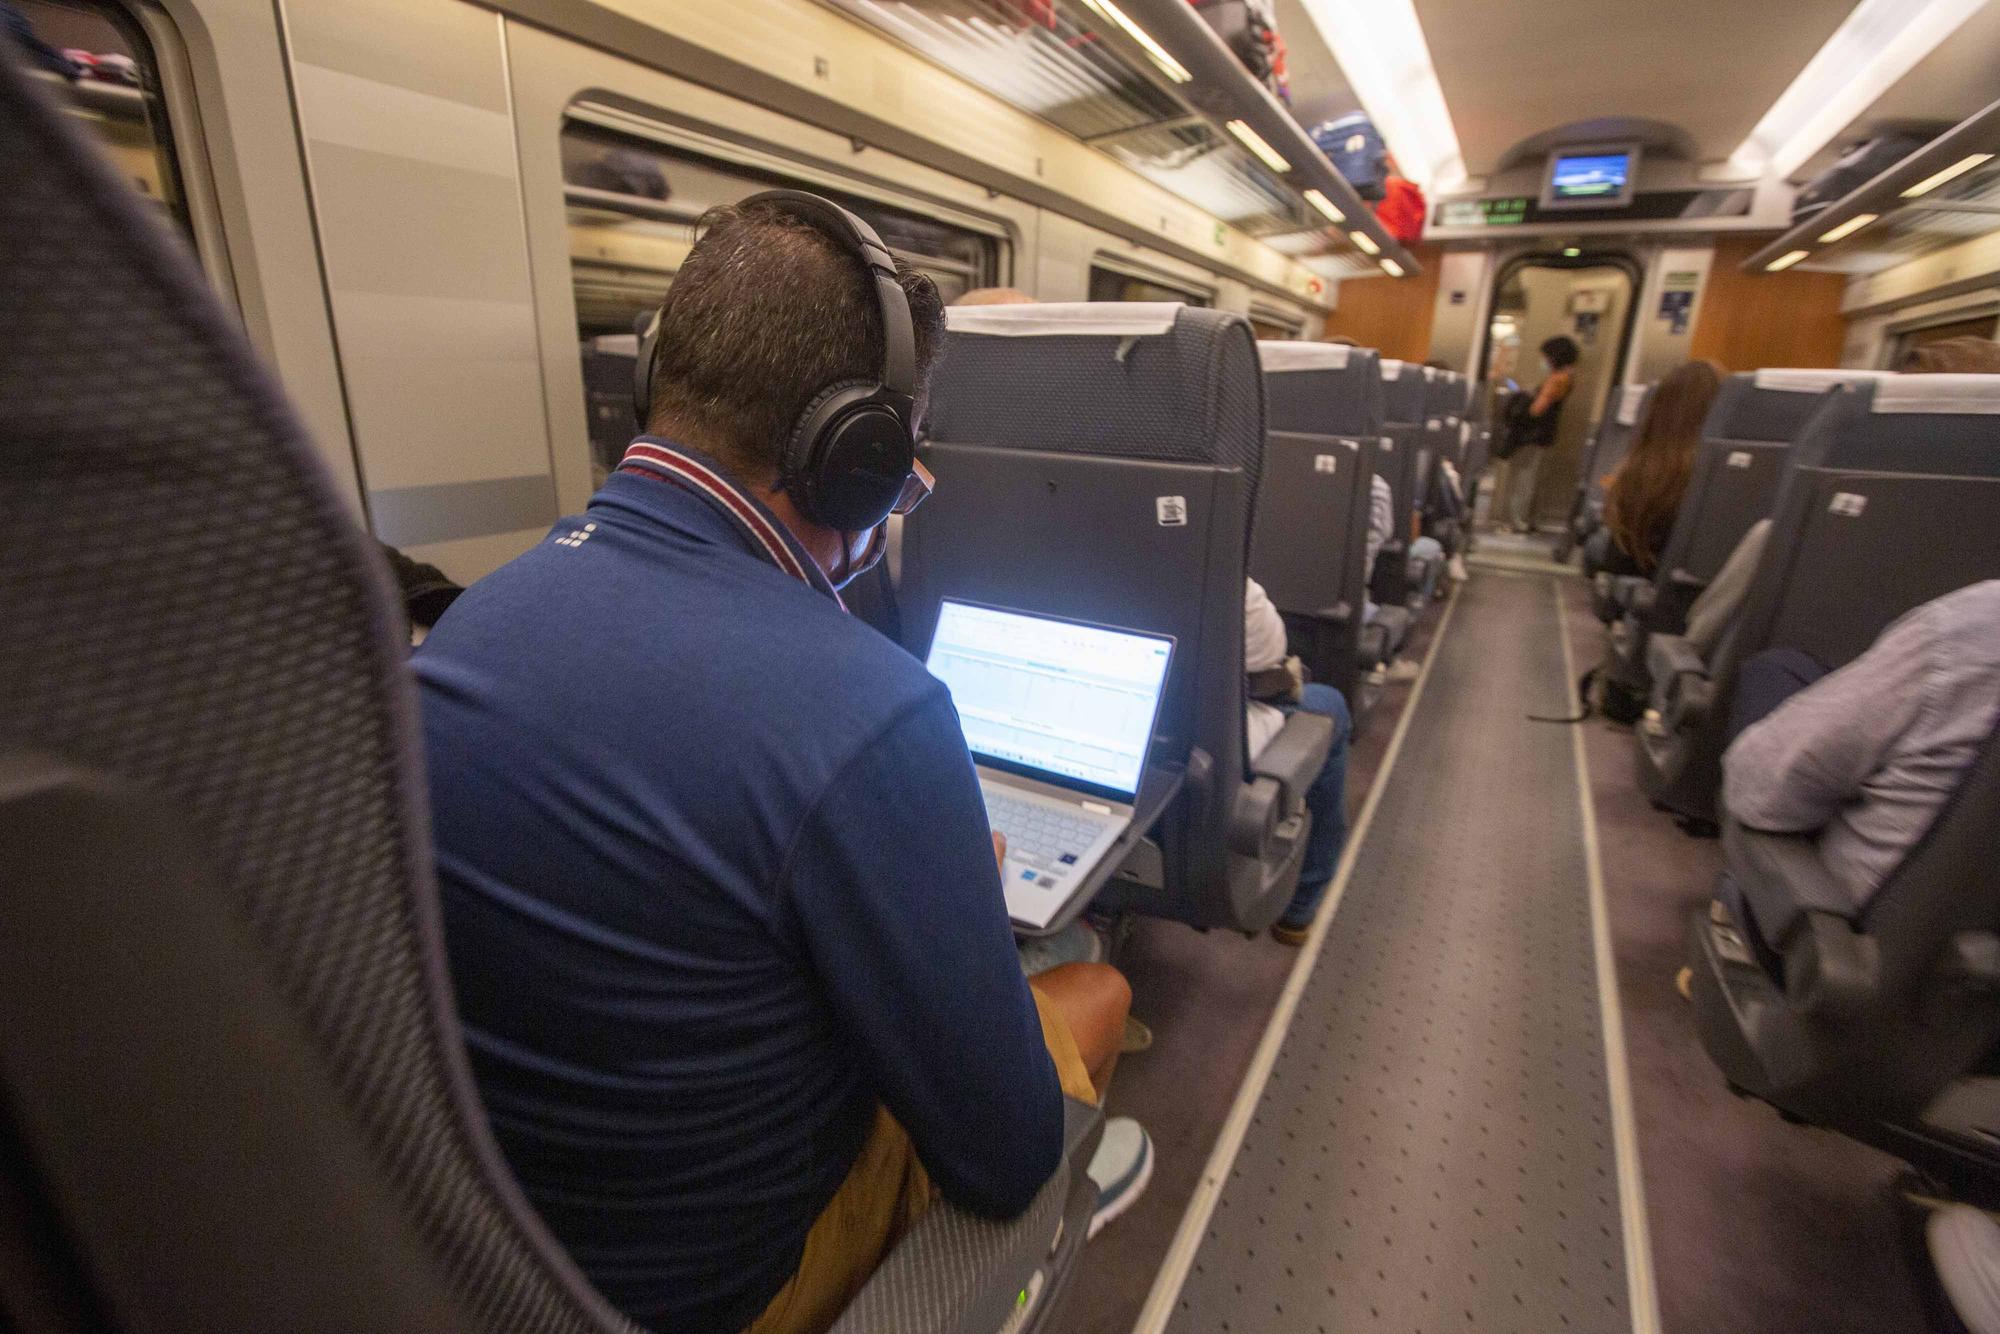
(886, 1191)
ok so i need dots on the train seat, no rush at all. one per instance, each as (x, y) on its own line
(1606, 451)
(1323, 406)
(1890, 498)
(1101, 461)
(1750, 426)
(1404, 385)
(1879, 1022)
(1745, 441)
(236, 1092)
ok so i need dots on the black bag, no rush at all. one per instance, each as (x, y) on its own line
(1512, 432)
(1861, 163)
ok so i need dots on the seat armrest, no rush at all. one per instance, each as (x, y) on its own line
(1632, 592)
(1832, 971)
(1686, 583)
(1669, 656)
(955, 1271)
(1295, 756)
(1783, 878)
(1682, 692)
(1254, 814)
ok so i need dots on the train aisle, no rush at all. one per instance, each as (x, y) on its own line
(1436, 1147)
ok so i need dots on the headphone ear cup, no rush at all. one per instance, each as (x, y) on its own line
(848, 458)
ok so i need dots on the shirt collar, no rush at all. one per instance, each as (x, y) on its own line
(761, 531)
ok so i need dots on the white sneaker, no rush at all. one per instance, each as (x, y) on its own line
(1965, 1251)
(1122, 1167)
(1403, 669)
(1457, 571)
(1076, 943)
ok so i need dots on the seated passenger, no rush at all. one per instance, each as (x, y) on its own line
(1645, 493)
(1277, 689)
(720, 900)
(1865, 757)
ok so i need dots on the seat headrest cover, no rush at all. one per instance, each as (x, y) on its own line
(624, 345)
(1391, 370)
(1301, 356)
(1628, 403)
(1949, 394)
(1813, 382)
(1111, 319)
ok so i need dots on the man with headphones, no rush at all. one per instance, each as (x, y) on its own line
(722, 911)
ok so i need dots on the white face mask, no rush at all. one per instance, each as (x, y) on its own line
(859, 553)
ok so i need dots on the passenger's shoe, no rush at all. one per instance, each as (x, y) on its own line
(1455, 568)
(1122, 1168)
(1137, 1038)
(1287, 934)
(1965, 1251)
(1404, 669)
(1078, 942)
(1684, 983)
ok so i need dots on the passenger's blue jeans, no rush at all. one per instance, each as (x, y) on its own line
(1327, 800)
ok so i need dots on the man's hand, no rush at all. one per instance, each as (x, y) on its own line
(1000, 852)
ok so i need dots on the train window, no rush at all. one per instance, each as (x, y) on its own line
(1985, 325)
(1107, 284)
(633, 205)
(1272, 328)
(99, 59)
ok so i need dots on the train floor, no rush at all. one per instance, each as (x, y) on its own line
(1435, 1118)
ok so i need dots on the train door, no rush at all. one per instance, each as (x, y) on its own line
(1588, 298)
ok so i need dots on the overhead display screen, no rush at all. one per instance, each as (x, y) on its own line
(1596, 177)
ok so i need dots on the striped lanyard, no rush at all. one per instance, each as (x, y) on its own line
(760, 531)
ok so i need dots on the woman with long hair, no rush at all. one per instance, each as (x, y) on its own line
(1645, 493)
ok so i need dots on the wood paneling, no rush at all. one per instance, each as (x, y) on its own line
(1393, 314)
(1749, 321)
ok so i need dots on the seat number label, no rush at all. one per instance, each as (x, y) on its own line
(1172, 511)
(1739, 459)
(1847, 505)
(1325, 463)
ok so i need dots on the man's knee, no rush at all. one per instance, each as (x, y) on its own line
(1093, 998)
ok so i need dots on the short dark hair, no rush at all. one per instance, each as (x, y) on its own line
(766, 311)
(1561, 351)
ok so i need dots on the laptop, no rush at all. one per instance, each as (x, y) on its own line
(1058, 715)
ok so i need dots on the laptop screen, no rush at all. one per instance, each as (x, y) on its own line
(1058, 699)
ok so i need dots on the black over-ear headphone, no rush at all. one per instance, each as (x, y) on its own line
(851, 451)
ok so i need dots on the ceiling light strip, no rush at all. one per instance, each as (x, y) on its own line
(1869, 53)
(1254, 141)
(1785, 261)
(1850, 227)
(1365, 242)
(1326, 206)
(1951, 173)
(1170, 67)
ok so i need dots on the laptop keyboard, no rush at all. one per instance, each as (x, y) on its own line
(1040, 834)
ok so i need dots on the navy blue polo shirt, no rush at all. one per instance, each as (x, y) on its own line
(717, 883)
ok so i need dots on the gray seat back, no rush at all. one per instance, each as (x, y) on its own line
(1321, 388)
(1749, 431)
(1309, 539)
(205, 658)
(1890, 498)
(1615, 435)
(1101, 462)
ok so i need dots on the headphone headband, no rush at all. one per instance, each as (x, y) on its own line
(852, 450)
(899, 340)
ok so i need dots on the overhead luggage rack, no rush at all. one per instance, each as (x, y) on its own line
(1149, 84)
(1946, 192)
